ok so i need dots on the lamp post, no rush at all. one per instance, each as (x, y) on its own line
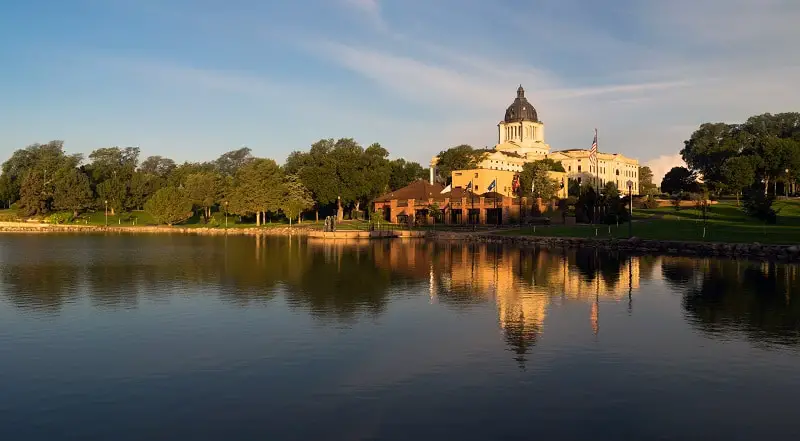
(106, 203)
(786, 184)
(630, 201)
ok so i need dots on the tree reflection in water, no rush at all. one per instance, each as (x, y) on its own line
(341, 281)
(726, 296)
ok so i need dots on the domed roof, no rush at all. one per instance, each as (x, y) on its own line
(521, 109)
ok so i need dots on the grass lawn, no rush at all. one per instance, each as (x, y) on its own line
(726, 223)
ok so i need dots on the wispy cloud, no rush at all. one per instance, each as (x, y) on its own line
(368, 9)
(638, 103)
(420, 76)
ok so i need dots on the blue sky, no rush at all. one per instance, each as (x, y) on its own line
(193, 79)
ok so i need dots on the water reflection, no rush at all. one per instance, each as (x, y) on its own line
(343, 281)
(722, 297)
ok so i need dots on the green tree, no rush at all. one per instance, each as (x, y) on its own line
(435, 212)
(376, 171)
(341, 171)
(610, 190)
(679, 179)
(8, 194)
(37, 163)
(709, 147)
(646, 185)
(73, 191)
(257, 189)
(573, 188)
(170, 206)
(552, 165)
(157, 166)
(536, 173)
(738, 174)
(229, 163)
(111, 170)
(296, 198)
(142, 187)
(114, 193)
(36, 194)
(204, 190)
(317, 171)
(759, 205)
(462, 157)
(179, 175)
(403, 173)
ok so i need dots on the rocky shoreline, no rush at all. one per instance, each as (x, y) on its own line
(753, 251)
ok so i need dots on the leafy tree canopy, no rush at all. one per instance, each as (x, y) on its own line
(404, 173)
(170, 205)
(462, 157)
(535, 182)
(679, 179)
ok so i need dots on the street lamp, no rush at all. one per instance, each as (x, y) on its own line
(786, 184)
(106, 202)
(630, 201)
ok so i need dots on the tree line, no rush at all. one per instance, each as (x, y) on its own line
(759, 154)
(43, 179)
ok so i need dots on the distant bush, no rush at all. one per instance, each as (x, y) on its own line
(9, 216)
(63, 217)
(647, 203)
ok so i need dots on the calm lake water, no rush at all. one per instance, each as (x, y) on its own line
(183, 337)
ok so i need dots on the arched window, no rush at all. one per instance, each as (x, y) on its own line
(617, 174)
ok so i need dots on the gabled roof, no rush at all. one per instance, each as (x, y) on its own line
(418, 190)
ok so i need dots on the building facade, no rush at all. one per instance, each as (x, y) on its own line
(520, 139)
(482, 178)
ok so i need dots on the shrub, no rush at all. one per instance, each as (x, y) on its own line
(676, 201)
(647, 203)
(9, 216)
(759, 205)
(63, 217)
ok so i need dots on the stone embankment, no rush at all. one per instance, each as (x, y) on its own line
(756, 251)
(34, 228)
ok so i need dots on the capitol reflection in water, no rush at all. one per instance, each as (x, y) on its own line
(135, 337)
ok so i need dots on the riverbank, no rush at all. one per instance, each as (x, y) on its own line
(754, 251)
(41, 228)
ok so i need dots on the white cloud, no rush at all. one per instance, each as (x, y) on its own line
(661, 165)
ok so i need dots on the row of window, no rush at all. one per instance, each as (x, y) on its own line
(627, 173)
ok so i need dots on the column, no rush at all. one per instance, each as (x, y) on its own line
(393, 211)
(432, 171)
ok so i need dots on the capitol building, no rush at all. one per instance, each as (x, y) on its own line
(521, 139)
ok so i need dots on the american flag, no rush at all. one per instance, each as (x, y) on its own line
(593, 151)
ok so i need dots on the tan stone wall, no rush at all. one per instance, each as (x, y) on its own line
(482, 178)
